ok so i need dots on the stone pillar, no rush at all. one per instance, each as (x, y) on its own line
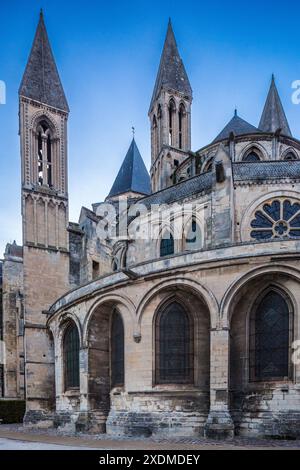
(219, 424)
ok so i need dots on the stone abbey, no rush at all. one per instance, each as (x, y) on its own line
(188, 333)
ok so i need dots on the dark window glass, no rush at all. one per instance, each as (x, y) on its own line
(269, 339)
(174, 346)
(290, 156)
(167, 246)
(117, 350)
(71, 357)
(251, 157)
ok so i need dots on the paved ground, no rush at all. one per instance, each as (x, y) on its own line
(17, 437)
(12, 444)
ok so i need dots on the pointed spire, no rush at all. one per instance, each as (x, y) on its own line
(273, 116)
(133, 175)
(237, 126)
(41, 80)
(171, 72)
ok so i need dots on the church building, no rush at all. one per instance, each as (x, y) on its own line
(190, 330)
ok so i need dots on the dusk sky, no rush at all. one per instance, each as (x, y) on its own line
(108, 54)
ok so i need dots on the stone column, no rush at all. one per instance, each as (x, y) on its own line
(219, 424)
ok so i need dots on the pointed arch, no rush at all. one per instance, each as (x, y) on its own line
(253, 152)
(289, 154)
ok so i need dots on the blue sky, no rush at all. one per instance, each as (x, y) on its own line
(108, 53)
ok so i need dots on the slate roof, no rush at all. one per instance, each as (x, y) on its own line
(273, 116)
(180, 191)
(171, 73)
(266, 170)
(133, 175)
(41, 80)
(238, 126)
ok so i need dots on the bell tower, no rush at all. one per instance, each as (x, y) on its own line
(43, 117)
(170, 115)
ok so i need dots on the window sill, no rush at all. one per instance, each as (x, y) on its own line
(72, 392)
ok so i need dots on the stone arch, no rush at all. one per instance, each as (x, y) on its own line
(245, 228)
(198, 312)
(228, 301)
(124, 304)
(255, 147)
(289, 150)
(199, 290)
(97, 340)
(43, 115)
(247, 394)
(64, 321)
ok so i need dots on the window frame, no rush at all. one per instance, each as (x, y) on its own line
(190, 377)
(252, 377)
(113, 384)
(67, 387)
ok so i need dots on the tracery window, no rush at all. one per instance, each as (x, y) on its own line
(277, 219)
(71, 357)
(174, 345)
(117, 350)
(270, 335)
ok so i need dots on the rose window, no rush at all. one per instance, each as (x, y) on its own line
(277, 219)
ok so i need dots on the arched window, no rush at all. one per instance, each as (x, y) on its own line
(174, 345)
(71, 357)
(117, 350)
(251, 156)
(171, 122)
(167, 245)
(290, 156)
(181, 125)
(44, 156)
(193, 240)
(270, 331)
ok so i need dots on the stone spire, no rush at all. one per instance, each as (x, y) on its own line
(133, 176)
(41, 80)
(171, 72)
(273, 116)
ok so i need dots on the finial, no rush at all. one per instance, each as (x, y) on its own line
(133, 131)
(235, 111)
(41, 13)
(273, 77)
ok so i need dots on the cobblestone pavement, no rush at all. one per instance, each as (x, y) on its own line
(102, 441)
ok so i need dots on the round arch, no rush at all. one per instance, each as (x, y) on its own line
(127, 312)
(228, 300)
(199, 291)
